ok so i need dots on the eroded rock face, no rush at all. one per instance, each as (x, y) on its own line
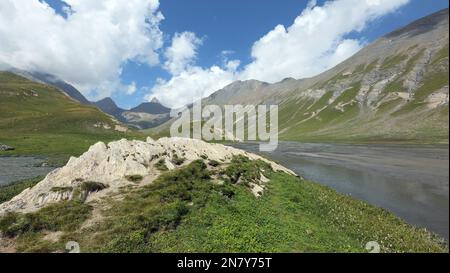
(112, 164)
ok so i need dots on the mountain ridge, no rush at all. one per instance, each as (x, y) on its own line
(375, 95)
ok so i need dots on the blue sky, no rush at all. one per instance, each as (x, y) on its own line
(235, 26)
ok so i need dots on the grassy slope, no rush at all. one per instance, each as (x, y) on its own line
(7, 192)
(394, 120)
(184, 212)
(50, 123)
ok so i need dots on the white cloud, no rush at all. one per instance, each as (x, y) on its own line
(88, 48)
(189, 82)
(182, 53)
(131, 88)
(315, 42)
(192, 84)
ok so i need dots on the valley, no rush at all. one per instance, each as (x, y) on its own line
(363, 157)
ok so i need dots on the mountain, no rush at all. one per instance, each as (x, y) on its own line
(40, 119)
(144, 116)
(49, 79)
(108, 106)
(395, 89)
(154, 107)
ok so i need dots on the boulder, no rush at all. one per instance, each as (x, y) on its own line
(4, 147)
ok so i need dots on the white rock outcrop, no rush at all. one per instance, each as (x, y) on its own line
(112, 163)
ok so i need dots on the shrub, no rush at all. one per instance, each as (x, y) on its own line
(161, 165)
(245, 169)
(134, 178)
(177, 160)
(91, 186)
(61, 189)
(63, 216)
(214, 163)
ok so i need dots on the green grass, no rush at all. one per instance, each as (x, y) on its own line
(431, 83)
(7, 192)
(29, 229)
(440, 55)
(61, 189)
(160, 165)
(62, 216)
(244, 170)
(370, 66)
(183, 211)
(393, 61)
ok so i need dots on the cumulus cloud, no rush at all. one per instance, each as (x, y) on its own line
(131, 88)
(182, 53)
(315, 42)
(87, 47)
(189, 82)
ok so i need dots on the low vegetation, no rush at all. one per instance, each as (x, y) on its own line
(7, 192)
(183, 211)
(61, 189)
(160, 165)
(213, 163)
(178, 160)
(136, 178)
(92, 186)
(30, 229)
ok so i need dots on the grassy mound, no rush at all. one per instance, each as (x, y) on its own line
(184, 211)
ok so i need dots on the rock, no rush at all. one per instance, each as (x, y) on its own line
(111, 163)
(4, 147)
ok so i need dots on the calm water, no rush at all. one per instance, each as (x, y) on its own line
(410, 181)
(17, 168)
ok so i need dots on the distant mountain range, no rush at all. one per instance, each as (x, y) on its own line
(395, 89)
(145, 115)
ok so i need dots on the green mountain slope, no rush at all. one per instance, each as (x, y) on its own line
(39, 119)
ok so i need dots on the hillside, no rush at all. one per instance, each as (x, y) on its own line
(184, 195)
(108, 106)
(39, 119)
(395, 89)
(45, 78)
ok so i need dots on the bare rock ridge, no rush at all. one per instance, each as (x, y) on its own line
(106, 168)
